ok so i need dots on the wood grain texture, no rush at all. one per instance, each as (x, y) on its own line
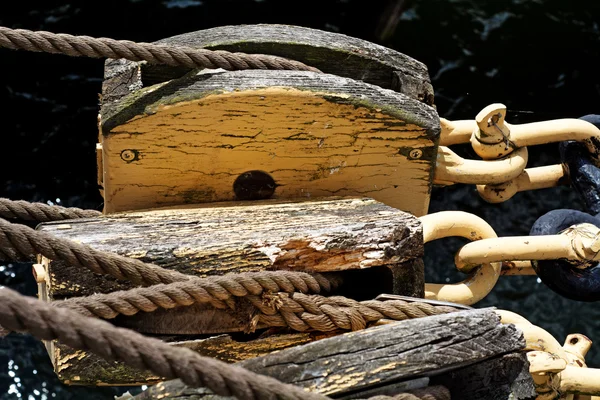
(500, 378)
(76, 367)
(379, 247)
(334, 234)
(188, 140)
(375, 357)
(332, 53)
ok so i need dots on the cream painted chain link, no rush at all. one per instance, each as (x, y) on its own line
(578, 243)
(483, 259)
(558, 372)
(503, 148)
(481, 280)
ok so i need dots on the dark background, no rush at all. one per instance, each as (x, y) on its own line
(539, 57)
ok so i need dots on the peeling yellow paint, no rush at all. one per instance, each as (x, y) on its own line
(386, 367)
(312, 145)
(136, 254)
(337, 382)
(62, 363)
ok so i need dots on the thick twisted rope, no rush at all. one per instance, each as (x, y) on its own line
(25, 314)
(303, 312)
(21, 243)
(218, 291)
(77, 46)
(426, 393)
(40, 212)
(291, 307)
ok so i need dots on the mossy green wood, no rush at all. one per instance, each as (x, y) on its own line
(351, 131)
(186, 141)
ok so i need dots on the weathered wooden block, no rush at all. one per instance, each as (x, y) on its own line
(360, 236)
(373, 247)
(76, 367)
(505, 377)
(351, 365)
(214, 136)
(332, 53)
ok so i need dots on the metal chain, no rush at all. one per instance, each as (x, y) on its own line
(502, 173)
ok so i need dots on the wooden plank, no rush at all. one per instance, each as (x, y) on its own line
(376, 249)
(500, 378)
(332, 53)
(327, 235)
(379, 356)
(213, 136)
(205, 394)
(75, 367)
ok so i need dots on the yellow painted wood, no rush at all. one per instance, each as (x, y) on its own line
(312, 143)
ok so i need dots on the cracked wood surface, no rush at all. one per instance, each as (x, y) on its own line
(189, 139)
(377, 247)
(332, 53)
(76, 367)
(345, 365)
(504, 377)
(326, 235)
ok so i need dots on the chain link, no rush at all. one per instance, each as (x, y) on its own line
(503, 148)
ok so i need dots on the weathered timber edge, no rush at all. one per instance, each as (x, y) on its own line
(75, 367)
(332, 53)
(188, 140)
(379, 356)
(498, 378)
(197, 85)
(326, 235)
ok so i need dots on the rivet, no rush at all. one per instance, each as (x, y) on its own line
(129, 155)
(415, 154)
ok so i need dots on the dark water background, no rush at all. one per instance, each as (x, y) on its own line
(539, 57)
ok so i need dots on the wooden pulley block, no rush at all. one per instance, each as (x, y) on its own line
(363, 127)
(325, 169)
(370, 247)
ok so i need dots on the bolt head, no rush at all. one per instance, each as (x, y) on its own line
(415, 154)
(128, 155)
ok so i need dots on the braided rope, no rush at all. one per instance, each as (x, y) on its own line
(426, 393)
(40, 212)
(215, 290)
(20, 243)
(303, 312)
(292, 307)
(25, 314)
(76, 46)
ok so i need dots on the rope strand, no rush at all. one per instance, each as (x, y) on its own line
(85, 46)
(303, 312)
(215, 290)
(293, 308)
(25, 314)
(40, 212)
(21, 243)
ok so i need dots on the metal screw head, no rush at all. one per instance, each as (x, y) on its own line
(128, 155)
(415, 154)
